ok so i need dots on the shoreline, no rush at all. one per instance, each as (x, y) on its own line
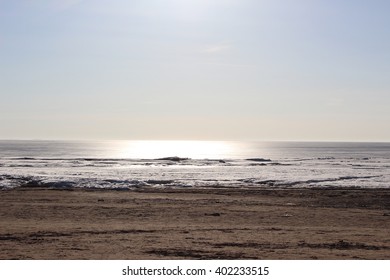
(225, 223)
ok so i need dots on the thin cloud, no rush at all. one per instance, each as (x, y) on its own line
(217, 49)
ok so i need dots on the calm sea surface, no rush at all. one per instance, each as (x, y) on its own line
(196, 164)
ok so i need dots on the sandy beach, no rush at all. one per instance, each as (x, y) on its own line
(195, 224)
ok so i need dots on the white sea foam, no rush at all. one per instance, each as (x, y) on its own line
(96, 165)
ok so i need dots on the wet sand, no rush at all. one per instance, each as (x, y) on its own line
(195, 224)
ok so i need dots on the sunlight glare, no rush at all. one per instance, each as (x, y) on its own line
(187, 149)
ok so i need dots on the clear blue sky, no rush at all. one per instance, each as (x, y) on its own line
(195, 69)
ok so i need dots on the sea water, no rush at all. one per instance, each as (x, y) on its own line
(193, 164)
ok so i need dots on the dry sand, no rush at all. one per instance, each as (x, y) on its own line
(195, 224)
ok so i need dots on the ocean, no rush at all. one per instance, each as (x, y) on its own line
(129, 165)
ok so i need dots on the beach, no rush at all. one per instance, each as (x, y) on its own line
(195, 223)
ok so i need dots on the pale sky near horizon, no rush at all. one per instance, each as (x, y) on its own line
(195, 69)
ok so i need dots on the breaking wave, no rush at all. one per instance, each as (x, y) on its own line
(293, 165)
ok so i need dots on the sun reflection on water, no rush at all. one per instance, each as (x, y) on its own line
(190, 149)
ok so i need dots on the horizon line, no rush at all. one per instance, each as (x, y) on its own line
(196, 140)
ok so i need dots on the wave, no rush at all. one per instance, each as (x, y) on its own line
(175, 158)
(326, 180)
(12, 182)
(302, 183)
(171, 172)
(259, 159)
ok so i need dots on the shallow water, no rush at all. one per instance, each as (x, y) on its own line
(137, 164)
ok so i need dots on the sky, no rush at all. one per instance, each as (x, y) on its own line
(289, 70)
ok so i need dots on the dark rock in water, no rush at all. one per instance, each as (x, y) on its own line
(221, 161)
(259, 159)
(173, 158)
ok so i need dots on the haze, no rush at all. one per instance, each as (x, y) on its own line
(201, 70)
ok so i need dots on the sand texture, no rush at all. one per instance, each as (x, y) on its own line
(195, 224)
